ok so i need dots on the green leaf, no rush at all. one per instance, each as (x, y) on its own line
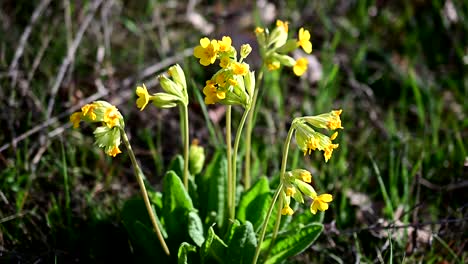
(293, 242)
(213, 247)
(144, 241)
(195, 228)
(177, 205)
(242, 244)
(212, 189)
(184, 250)
(254, 203)
(177, 165)
(155, 199)
(303, 219)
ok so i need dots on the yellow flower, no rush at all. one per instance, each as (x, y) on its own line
(272, 66)
(88, 110)
(311, 144)
(306, 176)
(259, 30)
(114, 151)
(330, 120)
(335, 121)
(225, 44)
(300, 67)
(225, 62)
(75, 119)
(240, 68)
(328, 151)
(290, 191)
(287, 210)
(304, 40)
(207, 51)
(143, 97)
(212, 94)
(282, 24)
(321, 203)
(334, 135)
(111, 116)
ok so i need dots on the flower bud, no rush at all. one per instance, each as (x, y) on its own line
(165, 100)
(196, 158)
(278, 36)
(171, 87)
(285, 60)
(109, 139)
(178, 76)
(290, 45)
(306, 189)
(245, 51)
(249, 83)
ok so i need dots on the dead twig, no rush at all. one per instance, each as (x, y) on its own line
(70, 55)
(395, 226)
(102, 91)
(448, 187)
(24, 37)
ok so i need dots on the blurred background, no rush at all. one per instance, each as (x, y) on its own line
(398, 69)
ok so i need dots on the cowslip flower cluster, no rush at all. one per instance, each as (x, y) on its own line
(234, 83)
(108, 134)
(296, 185)
(309, 140)
(175, 91)
(275, 45)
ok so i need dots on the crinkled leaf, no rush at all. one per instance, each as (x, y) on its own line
(184, 250)
(212, 189)
(138, 225)
(155, 199)
(213, 247)
(293, 242)
(302, 219)
(195, 228)
(177, 165)
(177, 205)
(254, 203)
(242, 244)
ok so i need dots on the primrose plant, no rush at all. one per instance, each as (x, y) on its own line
(201, 213)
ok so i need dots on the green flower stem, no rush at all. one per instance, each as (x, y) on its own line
(229, 161)
(185, 125)
(248, 136)
(139, 176)
(276, 228)
(275, 196)
(234, 161)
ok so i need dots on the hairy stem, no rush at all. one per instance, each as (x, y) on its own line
(229, 161)
(139, 176)
(234, 160)
(275, 196)
(185, 124)
(248, 136)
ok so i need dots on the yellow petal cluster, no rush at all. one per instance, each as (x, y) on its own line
(107, 135)
(304, 40)
(296, 185)
(207, 51)
(300, 67)
(310, 140)
(275, 46)
(143, 97)
(230, 84)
